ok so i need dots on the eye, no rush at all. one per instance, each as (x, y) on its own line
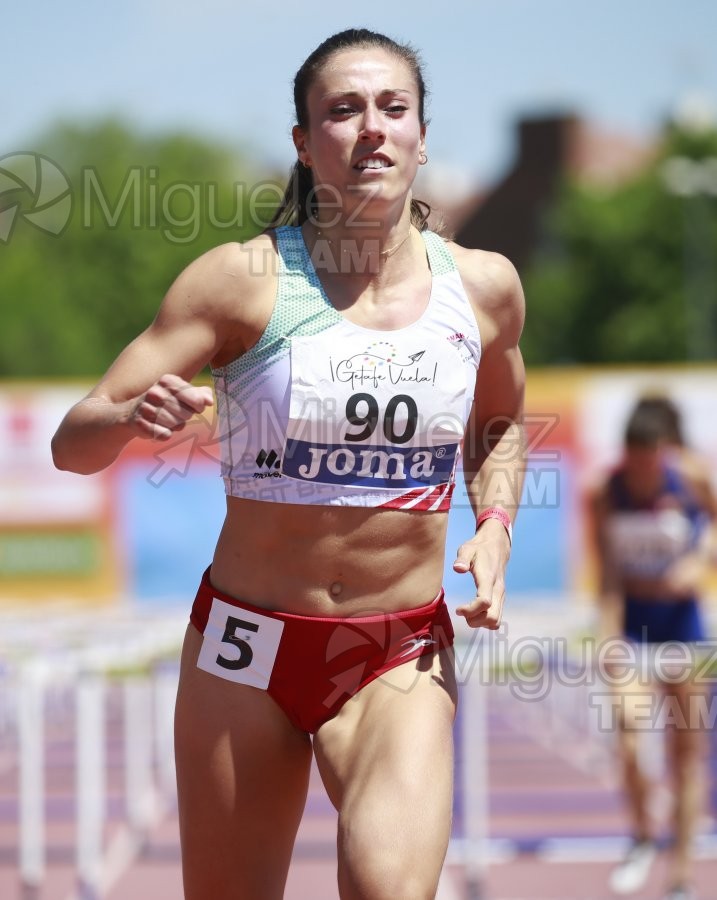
(341, 110)
(396, 109)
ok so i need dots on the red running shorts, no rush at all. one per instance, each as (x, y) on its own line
(311, 665)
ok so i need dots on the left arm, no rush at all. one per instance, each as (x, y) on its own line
(686, 575)
(494, 454)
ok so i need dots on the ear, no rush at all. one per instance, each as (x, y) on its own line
(299, 137)
(422, 144)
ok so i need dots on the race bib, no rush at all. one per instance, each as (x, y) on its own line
(240, 645)
(647, 543)
(381, 414)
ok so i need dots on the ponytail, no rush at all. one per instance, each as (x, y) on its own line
(299, 201)
(420, 211)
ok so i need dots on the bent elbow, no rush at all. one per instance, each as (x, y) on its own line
(66, 461)
(60, 459)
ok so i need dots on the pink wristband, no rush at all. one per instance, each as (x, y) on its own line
(495, 512)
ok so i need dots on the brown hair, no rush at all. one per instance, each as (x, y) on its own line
(668, 410)
(646, 427)
(299, 201)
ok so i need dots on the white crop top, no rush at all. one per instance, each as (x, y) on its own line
(324, 412)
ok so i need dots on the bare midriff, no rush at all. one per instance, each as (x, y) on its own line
(652, 589)
(327, 560)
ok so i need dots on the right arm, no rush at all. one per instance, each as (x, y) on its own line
(214, 310)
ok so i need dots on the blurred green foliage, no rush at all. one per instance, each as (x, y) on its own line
(628, 275)
(143, 208)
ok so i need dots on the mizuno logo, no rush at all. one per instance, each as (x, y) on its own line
(423, 641)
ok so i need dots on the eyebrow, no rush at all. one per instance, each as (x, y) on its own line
(336, 95)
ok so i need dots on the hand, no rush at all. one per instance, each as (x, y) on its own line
(684, 577)
(486, 556)
(167, 407)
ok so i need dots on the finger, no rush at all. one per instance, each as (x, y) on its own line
(464, 558)
(196, 398)
(479, 604)
(492, 623)
(153, 430)
(173, 383)
(170, 415)
(488, 617)
(180, 406)
(482, 599)
(485, 579)
(487, 607)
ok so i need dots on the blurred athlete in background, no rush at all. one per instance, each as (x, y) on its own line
(654, 526)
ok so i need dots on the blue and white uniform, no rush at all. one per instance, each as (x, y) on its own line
(645, 540)
(325, 412)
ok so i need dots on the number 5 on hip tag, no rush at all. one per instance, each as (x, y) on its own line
(240, 645)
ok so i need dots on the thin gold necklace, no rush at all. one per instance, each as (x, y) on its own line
(384, 253)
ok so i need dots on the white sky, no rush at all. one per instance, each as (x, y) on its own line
(225, 68)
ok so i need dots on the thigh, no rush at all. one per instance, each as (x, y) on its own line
(687, 714)
(242, 776)
(635, 690)
(387, 762)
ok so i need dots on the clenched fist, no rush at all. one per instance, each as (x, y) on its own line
(167, 407)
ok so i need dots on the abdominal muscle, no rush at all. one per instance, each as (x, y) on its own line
(329, 561)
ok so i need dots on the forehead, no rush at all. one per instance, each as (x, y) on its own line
(364, 68)
(643, 452)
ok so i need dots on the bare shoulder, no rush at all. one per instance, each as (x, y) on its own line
(597, 494)
(696, 472)
(225, 282)
(494, 289)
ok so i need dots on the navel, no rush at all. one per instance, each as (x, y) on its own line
(336, 588)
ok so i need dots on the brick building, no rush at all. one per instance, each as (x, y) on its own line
(509, 217)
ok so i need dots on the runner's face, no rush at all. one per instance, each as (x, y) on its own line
(644, 465)
(364, 136)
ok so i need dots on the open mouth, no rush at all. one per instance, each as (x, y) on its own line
(373, 163)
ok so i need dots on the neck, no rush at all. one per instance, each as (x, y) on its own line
(371, 246)
(644, 486)
(358, 248)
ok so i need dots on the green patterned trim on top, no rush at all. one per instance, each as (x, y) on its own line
(301, 308)
(440, 258)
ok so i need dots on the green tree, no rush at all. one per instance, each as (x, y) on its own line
(627, 275)
(144, 206)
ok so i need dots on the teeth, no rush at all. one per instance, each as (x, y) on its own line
(372, 164)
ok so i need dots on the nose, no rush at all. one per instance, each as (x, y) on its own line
(371, 126)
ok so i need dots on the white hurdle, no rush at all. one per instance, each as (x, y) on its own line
(139, 785)
(474, 754)
(63, 693)
(31, 699)
(90, 783)
(166, 681)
